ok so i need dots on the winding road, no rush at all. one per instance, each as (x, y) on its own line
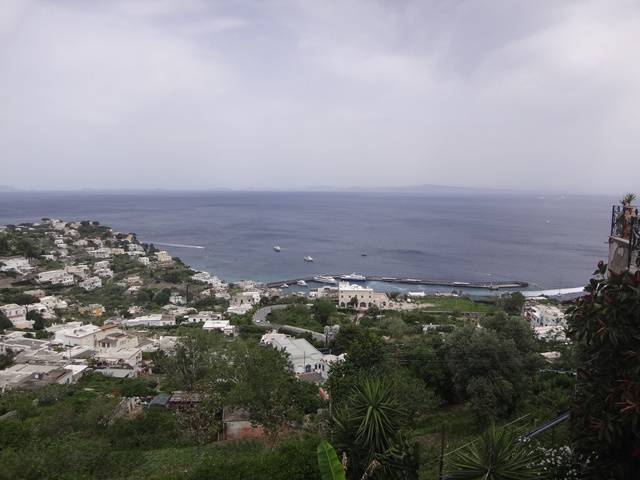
(260, 318)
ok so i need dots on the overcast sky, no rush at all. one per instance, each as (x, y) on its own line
(286, 94)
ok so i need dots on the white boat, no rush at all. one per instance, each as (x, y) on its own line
(354, 277)
(308, 259)
(277, 248)
(284, 285)
(324, 279)
(302, 283)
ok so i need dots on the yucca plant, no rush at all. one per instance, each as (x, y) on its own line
(376, 414)
(496, 455)
(628, 199)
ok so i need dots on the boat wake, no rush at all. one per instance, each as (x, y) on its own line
(179, 245)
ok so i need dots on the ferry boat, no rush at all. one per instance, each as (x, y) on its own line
(354, 277)
(277, 248)
(302, 283)
(324, 279)
(308, 259)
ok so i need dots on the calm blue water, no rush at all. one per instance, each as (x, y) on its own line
(549, 241)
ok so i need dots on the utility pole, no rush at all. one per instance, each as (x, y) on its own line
(441, 466)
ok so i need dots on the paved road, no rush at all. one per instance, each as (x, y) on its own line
(260, 318)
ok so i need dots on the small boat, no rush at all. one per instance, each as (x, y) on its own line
(354, 277)
(324, 279)
(302, 283)
(308, 259)
(284, 285)
(363, 254)
(277, 248)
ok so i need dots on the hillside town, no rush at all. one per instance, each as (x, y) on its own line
(89, 314)
(59, 329)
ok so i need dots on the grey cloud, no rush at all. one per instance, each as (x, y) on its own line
(197, 94)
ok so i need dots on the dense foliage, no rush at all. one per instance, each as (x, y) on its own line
(605, 325)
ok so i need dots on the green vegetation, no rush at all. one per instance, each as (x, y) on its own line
(606, 410)
(497, 455)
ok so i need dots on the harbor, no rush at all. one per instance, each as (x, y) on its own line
(412, 281)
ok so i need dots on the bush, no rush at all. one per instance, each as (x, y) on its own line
(293, 459)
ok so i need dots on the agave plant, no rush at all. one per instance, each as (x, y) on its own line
(497, 455)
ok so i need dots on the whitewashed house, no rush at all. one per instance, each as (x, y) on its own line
(223, 326)
(91, 283)
(304, 357)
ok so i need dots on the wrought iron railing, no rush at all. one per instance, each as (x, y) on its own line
(625, 224)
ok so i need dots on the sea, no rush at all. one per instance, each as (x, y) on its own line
(551, 241)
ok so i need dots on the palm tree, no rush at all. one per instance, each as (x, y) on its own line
(497, 455)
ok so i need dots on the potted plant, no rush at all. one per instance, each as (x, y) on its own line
(627, 214)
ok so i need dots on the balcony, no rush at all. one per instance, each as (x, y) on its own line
(624, 242)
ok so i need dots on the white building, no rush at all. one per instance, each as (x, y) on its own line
(365, 296)
(91, 283)
(120, 356)
(206, 277)
(223, 326)
(78, 270)
(542, 315)
(239, 309)
(304, 357)
(83, 335)
(52, 302)
(16, 313)
(153, 320)
(144, 260)
(177, 299)
(20, 265)
(203, 316)
(246, 298)
(56, 277)
(100, 252)
(164, 257)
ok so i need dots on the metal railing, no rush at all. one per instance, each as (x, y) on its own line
(625, 224)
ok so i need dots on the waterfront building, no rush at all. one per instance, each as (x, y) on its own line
(366, 297)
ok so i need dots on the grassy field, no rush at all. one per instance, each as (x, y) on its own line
(459, 304)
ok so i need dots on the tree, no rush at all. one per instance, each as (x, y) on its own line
(260, 380)
(605, 415)
(162, 297)
(497, 455)
(38, 319)
(193, 359)
(4, 322)
(492, 366)
(322, 310)
(512, 303)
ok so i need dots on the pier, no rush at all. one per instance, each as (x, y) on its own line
(413, 281)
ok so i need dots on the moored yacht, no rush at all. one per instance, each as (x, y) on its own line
(324, 279)
(302, 283)
(354, 277)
